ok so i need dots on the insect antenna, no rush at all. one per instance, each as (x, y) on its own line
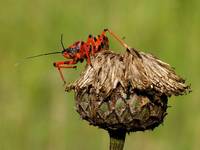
(42, 55)
(30, 57)
(61, 41)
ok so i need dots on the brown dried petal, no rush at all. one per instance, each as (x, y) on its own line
(127, 91)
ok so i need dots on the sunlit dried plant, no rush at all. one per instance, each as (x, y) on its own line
(126, 92)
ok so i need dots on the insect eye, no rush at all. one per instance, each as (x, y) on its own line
(66, 50)
(63, 51)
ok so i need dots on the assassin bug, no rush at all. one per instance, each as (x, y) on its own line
(81, 50)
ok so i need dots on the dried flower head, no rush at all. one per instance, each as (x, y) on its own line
(127, 91)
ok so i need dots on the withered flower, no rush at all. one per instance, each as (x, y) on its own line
(124, 93)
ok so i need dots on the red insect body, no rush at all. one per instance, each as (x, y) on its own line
(81, 50)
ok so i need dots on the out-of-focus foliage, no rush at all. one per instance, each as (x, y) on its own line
(36, 113)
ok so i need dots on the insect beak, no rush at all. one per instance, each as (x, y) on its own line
(65, 53)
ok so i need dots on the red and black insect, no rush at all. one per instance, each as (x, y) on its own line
(81, 50)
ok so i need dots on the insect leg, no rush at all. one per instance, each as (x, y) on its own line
(64, 64)
(90, 42)
(86, 49)
(117, 38)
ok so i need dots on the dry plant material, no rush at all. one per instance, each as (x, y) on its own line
(126, 92)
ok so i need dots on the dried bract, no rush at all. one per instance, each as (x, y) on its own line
(126, 91)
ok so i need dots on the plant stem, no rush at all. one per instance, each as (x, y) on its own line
(117, 139)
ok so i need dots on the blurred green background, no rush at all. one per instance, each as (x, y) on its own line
(36, 113)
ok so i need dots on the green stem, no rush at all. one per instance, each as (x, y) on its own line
(117, 139)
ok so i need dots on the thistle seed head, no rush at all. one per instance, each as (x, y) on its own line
(126, 91)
